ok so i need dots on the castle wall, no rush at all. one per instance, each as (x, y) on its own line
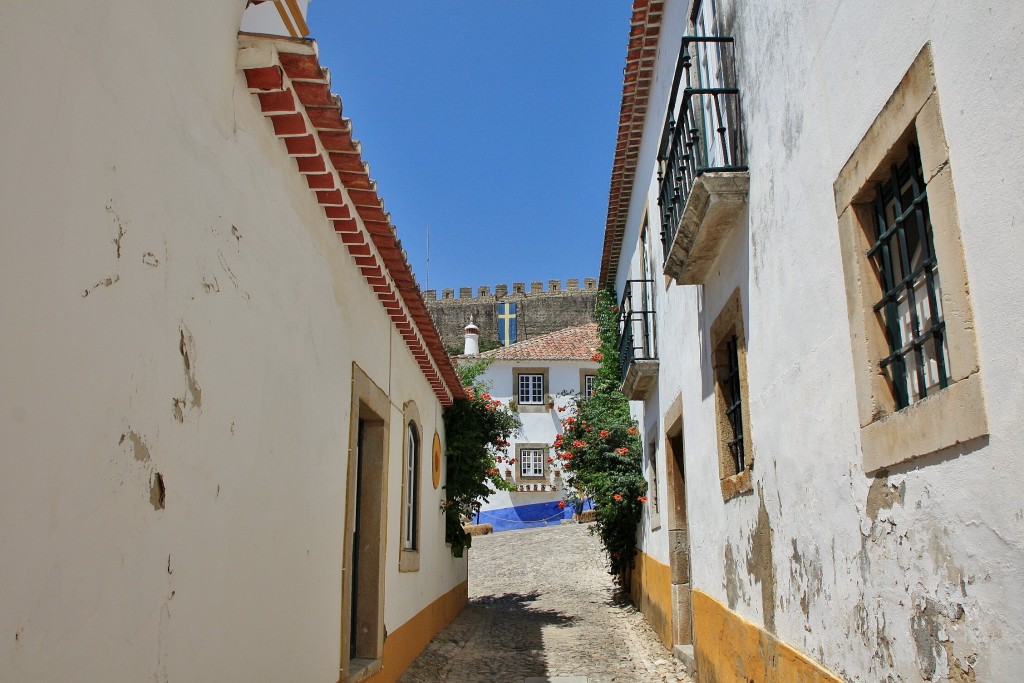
(540, 310)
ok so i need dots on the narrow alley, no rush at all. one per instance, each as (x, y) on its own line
(542, 608)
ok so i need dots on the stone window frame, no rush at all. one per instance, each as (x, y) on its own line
(653, 504)
(409, 558)
(544, 448)
(955, 414)
(729, 324)
(531, 407)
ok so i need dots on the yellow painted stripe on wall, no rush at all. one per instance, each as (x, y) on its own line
(650, 585)
(727, 647)
(406, 643)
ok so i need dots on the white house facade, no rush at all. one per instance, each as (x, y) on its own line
(222, 390)
(537, 379)
(812, 231)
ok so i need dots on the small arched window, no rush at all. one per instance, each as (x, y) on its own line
(410, 520)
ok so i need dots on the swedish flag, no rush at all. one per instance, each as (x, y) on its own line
(507, 323)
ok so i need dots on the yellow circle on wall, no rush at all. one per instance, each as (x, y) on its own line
(436, 460)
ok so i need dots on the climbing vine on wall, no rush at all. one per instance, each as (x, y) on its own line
(478, 428)
(600, 449)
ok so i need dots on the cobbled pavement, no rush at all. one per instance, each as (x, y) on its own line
(543, 607)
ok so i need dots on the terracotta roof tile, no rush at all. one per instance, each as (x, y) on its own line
(572, 343)
(637, 74)
(301, 76)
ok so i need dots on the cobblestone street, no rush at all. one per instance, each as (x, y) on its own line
(542, 607)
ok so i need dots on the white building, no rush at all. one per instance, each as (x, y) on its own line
(818, 258)
(537, 379)
(221, 422)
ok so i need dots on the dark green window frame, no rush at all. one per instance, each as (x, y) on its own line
(903, 256)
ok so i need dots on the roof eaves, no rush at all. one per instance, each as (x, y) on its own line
(294, 93)
(645, 29)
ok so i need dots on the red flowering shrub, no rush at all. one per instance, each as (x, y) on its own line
(606, 469)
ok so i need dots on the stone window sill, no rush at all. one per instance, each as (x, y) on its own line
(949, 417)
(409, 561)
(736, 485)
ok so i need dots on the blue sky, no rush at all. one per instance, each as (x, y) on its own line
(492, 122)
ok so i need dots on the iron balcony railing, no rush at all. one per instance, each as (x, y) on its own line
(702, 127)
(636, 324)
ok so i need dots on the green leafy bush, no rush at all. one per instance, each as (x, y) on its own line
(601, 452)
(477, 428)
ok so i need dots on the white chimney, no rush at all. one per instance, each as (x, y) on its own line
(472, 339)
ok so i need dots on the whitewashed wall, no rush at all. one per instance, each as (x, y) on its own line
(868, 591)
(144, 199)
(671, 303)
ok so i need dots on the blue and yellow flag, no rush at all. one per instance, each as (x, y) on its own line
(507, 324)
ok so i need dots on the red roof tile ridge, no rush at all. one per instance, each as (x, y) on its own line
(294, 71)
(578, 342)
(645, 28)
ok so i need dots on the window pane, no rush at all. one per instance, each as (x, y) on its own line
(531, 462)
(412, 486)
(911, 308)
(531, 388)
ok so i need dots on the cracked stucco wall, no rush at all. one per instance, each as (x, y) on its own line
(178, 338)
(905, 575)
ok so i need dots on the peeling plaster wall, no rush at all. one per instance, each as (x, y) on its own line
(912, 574)
(180, 324)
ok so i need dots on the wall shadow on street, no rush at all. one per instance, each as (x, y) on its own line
(517, 645)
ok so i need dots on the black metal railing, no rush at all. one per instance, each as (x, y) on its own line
(702, 130)
(636, 324)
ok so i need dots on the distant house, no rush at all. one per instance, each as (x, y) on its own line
(537, 379)
(222, 391)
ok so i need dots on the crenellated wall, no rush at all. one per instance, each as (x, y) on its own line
(540, 310)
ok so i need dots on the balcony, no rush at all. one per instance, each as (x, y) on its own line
(638, 357)
(702, 176)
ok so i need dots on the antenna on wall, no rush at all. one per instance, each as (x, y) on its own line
(427, 285)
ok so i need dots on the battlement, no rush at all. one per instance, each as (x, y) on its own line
(539, 309)
(572, 286)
